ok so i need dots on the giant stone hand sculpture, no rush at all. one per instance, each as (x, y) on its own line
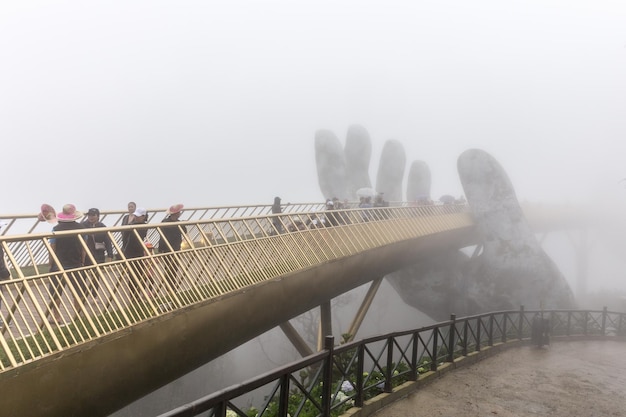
(341, 172)
(512, 269)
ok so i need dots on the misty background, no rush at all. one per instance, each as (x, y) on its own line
(216, 103)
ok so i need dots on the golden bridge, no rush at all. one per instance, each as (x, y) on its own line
(141, 323)
(240, 272)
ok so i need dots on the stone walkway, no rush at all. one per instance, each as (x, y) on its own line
(565, 379)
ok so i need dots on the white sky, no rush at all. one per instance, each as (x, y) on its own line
(217, 102)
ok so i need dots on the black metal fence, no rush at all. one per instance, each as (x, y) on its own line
(330, 382)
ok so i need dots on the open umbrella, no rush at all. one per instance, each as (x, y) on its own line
(447, 199)
(366, 192)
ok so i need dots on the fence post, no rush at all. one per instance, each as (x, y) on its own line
(465, 334)
(504, 330)
(451, 338)
(414, 373)
(360, 388)
(491, 329)
(604, 315)
(329, 344)
(283, 399)
(433, 357)
(520, 325)
(389, 370)
(479, 322)
(220, 409)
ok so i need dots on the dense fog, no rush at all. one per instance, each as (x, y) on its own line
(272, 349)
(217, 103)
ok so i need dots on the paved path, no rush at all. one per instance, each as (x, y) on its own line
(568, 379)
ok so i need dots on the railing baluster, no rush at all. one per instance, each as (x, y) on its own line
(451, 338)
(360, 368)
(433, 354)
(478, 332)
(465, 336)
(283, 396)
(414, 365)
(220, 409)
(327, 383)
(389, 370)
(521, 323)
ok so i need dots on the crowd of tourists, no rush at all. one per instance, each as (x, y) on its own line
(69, 252)
(99, 244)
(329, 216)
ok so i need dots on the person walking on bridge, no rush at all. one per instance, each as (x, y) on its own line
(97, 243)
(172, 237)
(171, 241)
(70, 254)
(277, 209)
(5, 274)
(134, 247)
(128, 219)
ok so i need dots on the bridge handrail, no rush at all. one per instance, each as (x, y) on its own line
(345, 376)
(14, 224)
(47, 312)
(309, 211)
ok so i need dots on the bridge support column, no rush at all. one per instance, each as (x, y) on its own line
(365, 305)
(296, 340)
(326, 324)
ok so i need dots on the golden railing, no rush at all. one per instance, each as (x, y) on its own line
(13, 224)
(45, 312)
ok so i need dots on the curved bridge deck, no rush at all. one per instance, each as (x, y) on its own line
(140, 323)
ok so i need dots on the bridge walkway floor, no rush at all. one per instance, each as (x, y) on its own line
(565, 379)
(92, 300)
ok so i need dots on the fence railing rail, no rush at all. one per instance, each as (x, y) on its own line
(338, 378)
(48, 310)
(14, 224)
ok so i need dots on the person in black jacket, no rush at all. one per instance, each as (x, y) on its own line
(136, 248)
(133, 247)
(172, 234)
(128, 219)
(171, 241)
(69, 252)
(277, 209)
(97, 243)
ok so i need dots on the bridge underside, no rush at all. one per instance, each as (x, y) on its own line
(99, 377)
